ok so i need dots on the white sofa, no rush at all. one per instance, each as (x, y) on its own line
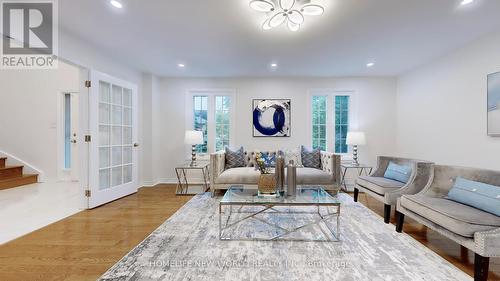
(221, 178)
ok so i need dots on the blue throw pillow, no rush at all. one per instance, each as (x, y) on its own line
(269, 159)
(397, 172)
(479, 195)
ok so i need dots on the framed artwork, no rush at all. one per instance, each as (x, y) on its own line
(271, 117)
(494, 104)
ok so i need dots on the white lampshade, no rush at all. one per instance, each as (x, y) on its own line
(193, 137)
(356, 138)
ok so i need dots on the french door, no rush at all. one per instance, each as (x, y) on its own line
(113, 156)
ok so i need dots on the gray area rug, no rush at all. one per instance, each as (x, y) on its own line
(186, 247)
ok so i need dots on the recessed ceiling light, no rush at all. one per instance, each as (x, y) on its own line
(181, 65)
(466, 2)
(274, 65)
(370, 64)
(116, 4)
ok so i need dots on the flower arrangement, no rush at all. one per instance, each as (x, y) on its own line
(263, 164)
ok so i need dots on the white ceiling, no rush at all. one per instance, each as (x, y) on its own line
(223, 37)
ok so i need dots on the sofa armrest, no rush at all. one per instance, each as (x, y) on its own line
(420, 177)
(330, 163)
(217, 165)
(487, 243)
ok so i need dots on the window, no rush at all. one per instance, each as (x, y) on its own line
(67, 131)
(333, 114)
(341, 123)
(319, 122)
(200, 110)
(222, 121)
(212, 113)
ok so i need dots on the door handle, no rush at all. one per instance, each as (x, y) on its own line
(136, 144)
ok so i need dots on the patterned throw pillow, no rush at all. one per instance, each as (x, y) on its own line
(311, 158)
(235, 158)
(293, 154)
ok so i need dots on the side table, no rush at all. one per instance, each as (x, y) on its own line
(361, 168)
(183, 183)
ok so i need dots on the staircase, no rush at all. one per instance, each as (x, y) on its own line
(12, 176)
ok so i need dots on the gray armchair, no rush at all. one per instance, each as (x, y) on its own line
(388, 191)
(472, 228)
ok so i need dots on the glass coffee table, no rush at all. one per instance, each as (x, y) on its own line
(242, 212)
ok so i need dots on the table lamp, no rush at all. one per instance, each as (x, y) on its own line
(355, 139)
(193, 138)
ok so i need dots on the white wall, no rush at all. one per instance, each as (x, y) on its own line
(442, 108)
(376, 105)
(28, 101)
(150, 139)
(28, 113)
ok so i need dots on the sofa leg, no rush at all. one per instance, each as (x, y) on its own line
(387, 213)
(481, 265)
(356, 194)
(400, 219)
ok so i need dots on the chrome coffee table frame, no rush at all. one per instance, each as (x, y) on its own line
(237, 206)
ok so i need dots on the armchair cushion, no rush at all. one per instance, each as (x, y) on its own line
(458, 218)
(479, 195)
(240, 175)
(397, 172)
(379, 185)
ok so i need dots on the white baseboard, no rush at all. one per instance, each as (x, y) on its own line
(159, 181)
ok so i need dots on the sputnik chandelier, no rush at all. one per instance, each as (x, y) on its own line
(291, 12)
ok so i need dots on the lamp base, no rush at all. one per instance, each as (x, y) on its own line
(193, 156)
(355, 154)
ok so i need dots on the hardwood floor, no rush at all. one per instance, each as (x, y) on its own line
(85, 245)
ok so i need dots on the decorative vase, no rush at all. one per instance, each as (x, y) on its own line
(267, 184)
(291, 179)
(280, 173)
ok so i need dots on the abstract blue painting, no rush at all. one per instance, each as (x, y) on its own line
(271, 118)
(494, 104)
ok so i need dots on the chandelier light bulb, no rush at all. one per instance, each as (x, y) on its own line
(262, 5)
(293, 27)
(116, 4)
(266, 25)
(277, 20)
(295, 17)
(312, 10)
(287, 4)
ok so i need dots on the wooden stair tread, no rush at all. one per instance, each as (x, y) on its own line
(9, 172)
(11, 167)
(24, 176)
(18, 181)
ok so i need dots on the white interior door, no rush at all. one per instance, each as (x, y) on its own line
(113, 157)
